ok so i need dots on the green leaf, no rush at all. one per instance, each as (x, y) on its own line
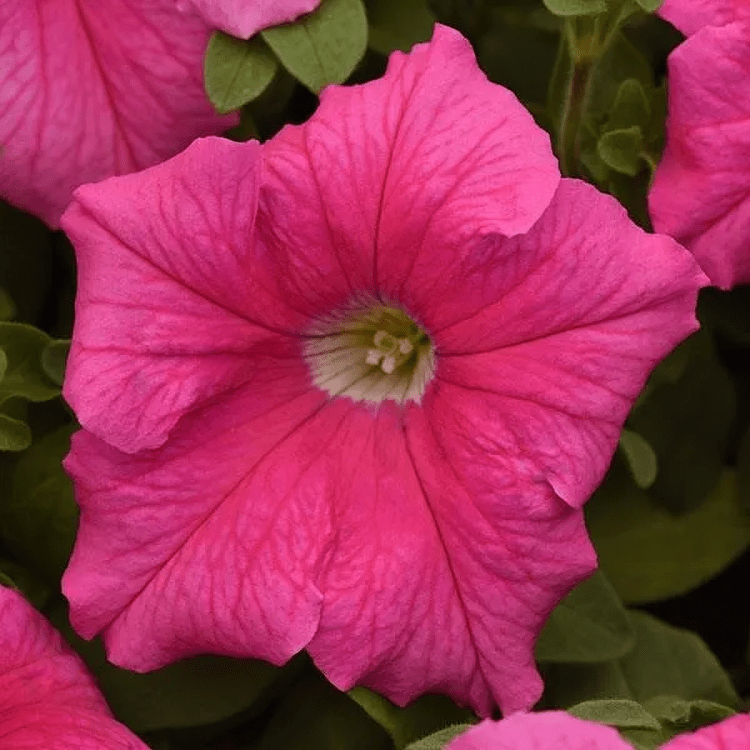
(687, 424)
(684, 715)
(640, 457)
(440, 739)
(664, 661)
(620, 713)
(650, 6)
(621, 150)
(324, 46)
(188, 693)
(38, 519)
(15, 435)
(576, 7)
(631, 107)
(589, 625)
(24, 376)
(421, 717)
(3, 364)
(54, 357)
(237, 71)
(649, 554)
(313, 714)
(7, 308)
(398, 24)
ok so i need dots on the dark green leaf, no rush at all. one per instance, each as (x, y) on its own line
(440, 739)
(589, 625)
(576, 7)
(313, 714)
(649, 554)
(420, 718)
(18, 577)
(621, 150)
(15, 435)
(398, 24)
(324, 46)
(3, 364)
(620, 713)
(631, 107)
(650, 6)
(685, 715)
(54, 357)
(7, 308)
(237, 71)
(24, 376)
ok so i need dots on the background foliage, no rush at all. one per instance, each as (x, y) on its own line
(656, 642)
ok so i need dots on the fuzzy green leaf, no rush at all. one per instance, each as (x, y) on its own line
(15, 435)
(24, 375)
(616, 712)
(440, 739)
(54, 358)
(576, 7)
(621, 150)
(324, 46)
(237, 71)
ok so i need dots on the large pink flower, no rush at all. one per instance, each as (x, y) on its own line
(93, 88)
(691, 15)
(701, 190)
(48, 701)
(556, 729)
(243, 18)
(327, 404)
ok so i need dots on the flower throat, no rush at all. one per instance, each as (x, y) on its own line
(371, 353)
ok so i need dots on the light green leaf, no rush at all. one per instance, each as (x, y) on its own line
(621, 150)
(589, 625)
(620, 713)
(440, 739)
(324, 46)
(650, 6)
(640, 457)
(15, 435)
(398, 24)
(420, 718)
(237, 71)
(23, 345)
(54, 358)
(649, 554)
(576, 7)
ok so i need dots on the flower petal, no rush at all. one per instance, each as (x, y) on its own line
(701, 190)
(210, 543)
(691, 15)
(244, 18)
(48, 700)
(168, 314)
(552, 369)
(93, 88)
(729, 734)
(383, 186)
(539, 731)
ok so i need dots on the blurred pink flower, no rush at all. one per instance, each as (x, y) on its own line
(329, 404)
(48, 701)
(93, 88)
(701, 190)
(691, 15)
(244, 18)
(557, 729)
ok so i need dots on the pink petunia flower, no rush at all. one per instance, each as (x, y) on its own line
(94, 88)
(691, 15)
(48, 700)
(329, 404)
(557, 729)
(701, 189)
(244, 18)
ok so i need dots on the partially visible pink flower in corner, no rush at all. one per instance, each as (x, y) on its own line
(691, 15)
(347, 391)
(701, 189)
(244, 18)
(559, 730)
(48, 700)
(94, 88)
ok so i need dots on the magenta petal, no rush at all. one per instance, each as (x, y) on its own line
(730, 734)
(93, 88)
(48, 701)
(539, 731)
(210, 543)
(393, 177)
(167, 316)
(244, 18)
(691, 15)
(701, 190)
